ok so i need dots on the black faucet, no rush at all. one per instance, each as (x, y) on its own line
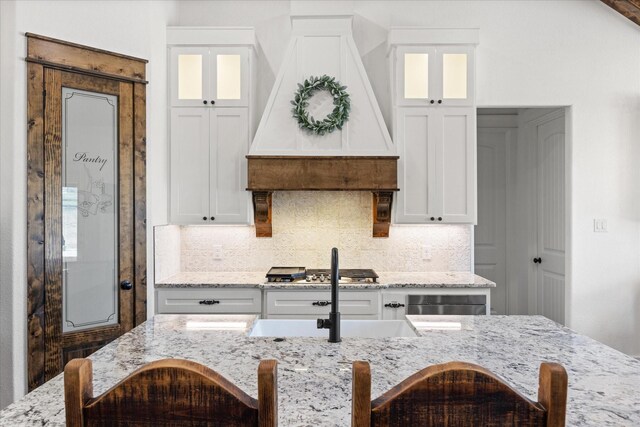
(333, 322)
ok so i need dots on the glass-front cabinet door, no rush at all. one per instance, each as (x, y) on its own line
(434, 76)
(455, 75)
(229, 77)
(209, 76)
(415, 70)
(190, 76)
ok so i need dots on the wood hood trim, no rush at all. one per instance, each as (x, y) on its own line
(378, 174)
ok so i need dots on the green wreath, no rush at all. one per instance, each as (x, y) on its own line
(335, 120)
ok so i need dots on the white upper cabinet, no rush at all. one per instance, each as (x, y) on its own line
(209, 76)
(190, 165)
(432, 66)
(229, 198)
(434, 75)
(456, 156)
(211, 123)
(208, 166)
(434, 124)
(436, 166)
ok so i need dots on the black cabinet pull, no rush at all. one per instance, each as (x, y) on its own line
(213, 102)
(433, 219)
(439, 218)
(209, 302)
(321, 303)
(204, 102)
(432, 101)
(394, 305)
(126, 285)
(439, 101)
(537, 260)
(204, 218)
(213, 218)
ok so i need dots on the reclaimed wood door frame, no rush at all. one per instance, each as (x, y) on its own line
(48, 61)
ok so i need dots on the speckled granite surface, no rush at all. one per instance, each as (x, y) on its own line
(386, 280)
(232, 279)
(314, 376)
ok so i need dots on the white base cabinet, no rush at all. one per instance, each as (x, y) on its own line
(395, 302)
(209, 301)
(369, 304)
(314, 304)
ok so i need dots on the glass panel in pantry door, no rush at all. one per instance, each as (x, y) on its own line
(89, 210)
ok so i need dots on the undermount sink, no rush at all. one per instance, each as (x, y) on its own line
(348, 328)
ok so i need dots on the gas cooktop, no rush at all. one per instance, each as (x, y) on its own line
(300, 274)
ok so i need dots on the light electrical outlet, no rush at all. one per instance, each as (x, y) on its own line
(426, 252)
(217, 251)
(600, 225)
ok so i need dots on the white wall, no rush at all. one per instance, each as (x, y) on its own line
(132, 27)
(532, 53)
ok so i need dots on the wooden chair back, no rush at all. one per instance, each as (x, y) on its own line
(169, 392)
(458, 394)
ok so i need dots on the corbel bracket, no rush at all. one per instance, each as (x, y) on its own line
(262, 213)
(382, 201)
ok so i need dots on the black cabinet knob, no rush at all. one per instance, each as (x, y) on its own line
(537, 260)
(439, 101)
(433, 219)
(126, 285)
(213, 102)
(204, 102)
(213, 218)
(204, 218)
(439, 218)
(432, 101)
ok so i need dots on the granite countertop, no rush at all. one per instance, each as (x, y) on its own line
(314, 376)
(387, 280)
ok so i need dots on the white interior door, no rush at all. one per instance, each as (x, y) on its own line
(490, 233)
(551, 218)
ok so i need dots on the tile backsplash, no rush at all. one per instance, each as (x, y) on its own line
(306, 225)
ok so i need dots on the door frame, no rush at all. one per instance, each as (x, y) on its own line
(47, 53)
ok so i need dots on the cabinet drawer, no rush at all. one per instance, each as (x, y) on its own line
(315, 317)
(302, 303)
(209, 301)
(394, 306)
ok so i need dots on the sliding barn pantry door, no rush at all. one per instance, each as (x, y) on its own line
(87, 242)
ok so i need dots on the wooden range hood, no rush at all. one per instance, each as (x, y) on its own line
(377, 174)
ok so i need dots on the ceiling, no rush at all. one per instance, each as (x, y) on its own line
(628, 8)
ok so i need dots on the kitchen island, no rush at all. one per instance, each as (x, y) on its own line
(314, 376)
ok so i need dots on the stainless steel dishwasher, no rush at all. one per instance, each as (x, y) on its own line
(447, 304)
